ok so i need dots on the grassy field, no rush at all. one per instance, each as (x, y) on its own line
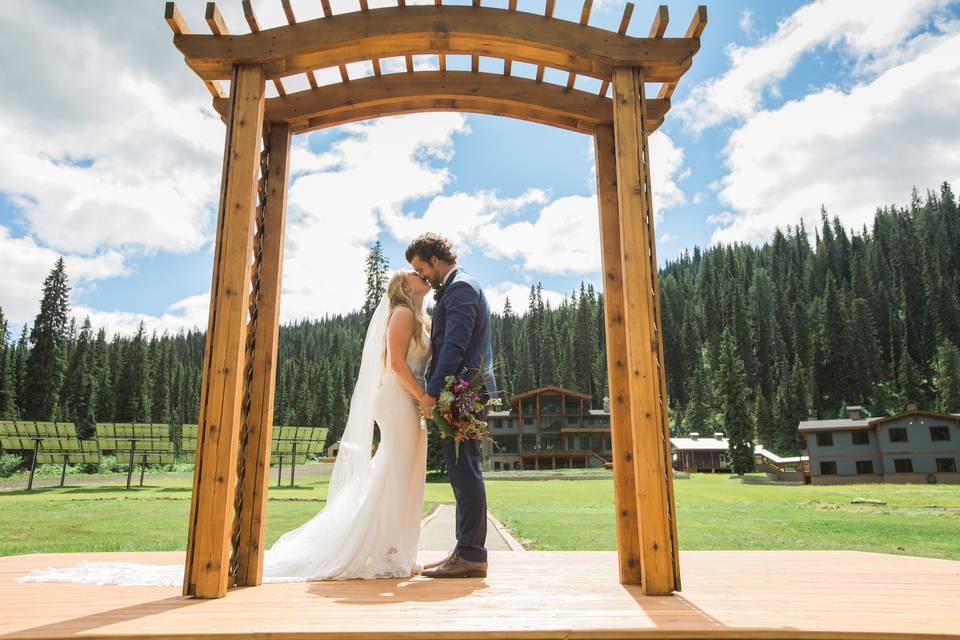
(713, 513)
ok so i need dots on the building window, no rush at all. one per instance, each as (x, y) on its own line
(496, 466)
(505, 444)
(550, 405)
(946, 465)
(549, 424)
(825, 439)
(828, 468)
(572, 406)
(530, 407)
(865, 467)
(860, 437)
(903, 465)
(940, 434)
(898, 434)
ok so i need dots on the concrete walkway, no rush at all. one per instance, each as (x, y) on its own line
(438, 532)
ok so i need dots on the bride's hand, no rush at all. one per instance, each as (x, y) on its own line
(426, 405)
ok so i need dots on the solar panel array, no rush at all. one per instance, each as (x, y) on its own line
(56, 440)
(294, 444)
(305, 441)
(149, 443)
(51, 442)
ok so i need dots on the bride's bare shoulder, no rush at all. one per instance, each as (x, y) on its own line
(401, 316)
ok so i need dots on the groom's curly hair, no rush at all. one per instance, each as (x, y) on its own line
(431, 245)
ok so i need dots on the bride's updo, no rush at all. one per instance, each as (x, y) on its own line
(400, 295)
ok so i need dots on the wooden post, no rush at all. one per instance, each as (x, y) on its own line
(648, 399)
(625, 484)
(206, 571)
(253, 517)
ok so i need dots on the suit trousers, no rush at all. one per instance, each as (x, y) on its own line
(466, 478)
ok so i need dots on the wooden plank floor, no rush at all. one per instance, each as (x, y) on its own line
(728, 594)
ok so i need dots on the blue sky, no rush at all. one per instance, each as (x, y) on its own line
(114, 155)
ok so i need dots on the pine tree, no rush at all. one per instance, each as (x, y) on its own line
(79, 386)
(377, 268)
(585, 344)
(7, 374)
(909, 378)
(506, 376)
(131, 390)
(20, 373)
(948, 377)
(696, 416)
(833, 372)
(103, 379)
(737, 421)
(43, 377)
(763, 419)
(534, 339)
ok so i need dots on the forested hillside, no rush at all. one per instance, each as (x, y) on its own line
(868, 316)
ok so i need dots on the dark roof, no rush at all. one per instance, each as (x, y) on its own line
(866, 423)
(943, 416)
(550, 388)
(834, 425)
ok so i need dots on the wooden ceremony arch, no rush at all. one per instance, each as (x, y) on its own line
(228, 509)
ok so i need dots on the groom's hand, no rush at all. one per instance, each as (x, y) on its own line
(427, 403)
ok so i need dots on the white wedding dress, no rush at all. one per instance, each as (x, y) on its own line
(370, 526)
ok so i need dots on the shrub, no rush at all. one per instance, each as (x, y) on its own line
(9, 464)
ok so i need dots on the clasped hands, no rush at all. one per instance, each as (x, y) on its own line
(427, 404)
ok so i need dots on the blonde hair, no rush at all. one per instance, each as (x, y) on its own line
(399, 296)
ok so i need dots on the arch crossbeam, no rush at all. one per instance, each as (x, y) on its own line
(470, 30)
(488, 93)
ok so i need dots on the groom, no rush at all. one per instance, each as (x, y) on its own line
(460, 343)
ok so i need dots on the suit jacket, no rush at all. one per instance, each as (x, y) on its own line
(460, 337)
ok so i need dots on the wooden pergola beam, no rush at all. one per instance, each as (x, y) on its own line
(206, 571)
(621, 416)
(292, 19)
(254, 25)
(179, 27)
(396, 31)
(697, 24)
(659, 562)
(391, 94)
(660, 22)
(251, 543)
(621, 30)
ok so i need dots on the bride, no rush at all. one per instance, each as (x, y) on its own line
(370, 525)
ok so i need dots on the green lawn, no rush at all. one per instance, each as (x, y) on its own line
(713, 513)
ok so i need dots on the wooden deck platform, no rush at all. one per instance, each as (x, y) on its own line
(747, 594)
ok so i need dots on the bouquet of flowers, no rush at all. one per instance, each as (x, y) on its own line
(460, 407)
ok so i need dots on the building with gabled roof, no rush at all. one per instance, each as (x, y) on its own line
(912, 446)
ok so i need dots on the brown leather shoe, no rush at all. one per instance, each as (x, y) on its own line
(434, 565)
(458, 567)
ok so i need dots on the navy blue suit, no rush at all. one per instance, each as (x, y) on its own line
(460, 342)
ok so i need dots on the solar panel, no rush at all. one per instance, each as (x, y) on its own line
(286, 458)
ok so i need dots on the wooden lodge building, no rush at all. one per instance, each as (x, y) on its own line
(548, 428)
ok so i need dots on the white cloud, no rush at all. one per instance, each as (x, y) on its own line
(562, 238)
(849, 151)
(565, 238)
(460, 217)
(666, 170)
(746, 22)
(866, 29)
(519, 296)
(98, 152)
(334, 204)
(189, 313)
(25, 265)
